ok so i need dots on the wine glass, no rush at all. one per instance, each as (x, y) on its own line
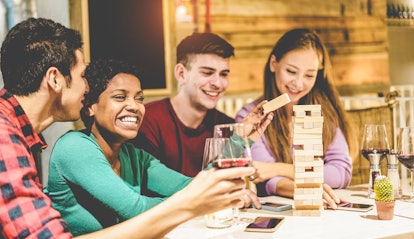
(405, 151)
(213, 147)
(374, 147)
(236, 152)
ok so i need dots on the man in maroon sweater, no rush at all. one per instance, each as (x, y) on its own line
(175, 129)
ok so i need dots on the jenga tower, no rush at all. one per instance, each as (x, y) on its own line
(307, 160)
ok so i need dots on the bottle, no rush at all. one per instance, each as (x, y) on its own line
(374, 172)
(393, 175)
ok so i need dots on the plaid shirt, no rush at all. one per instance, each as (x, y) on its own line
(25, 211)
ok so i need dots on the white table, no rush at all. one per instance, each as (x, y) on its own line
(332, 223)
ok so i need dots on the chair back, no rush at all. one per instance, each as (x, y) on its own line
(358, 118)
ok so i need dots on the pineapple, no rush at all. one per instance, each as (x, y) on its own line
(383, 189)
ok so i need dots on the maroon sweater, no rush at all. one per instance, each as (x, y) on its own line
(181, 148)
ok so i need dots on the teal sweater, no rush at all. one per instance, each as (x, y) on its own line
(90, 196)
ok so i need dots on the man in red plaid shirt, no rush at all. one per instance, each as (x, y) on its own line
(42, 66)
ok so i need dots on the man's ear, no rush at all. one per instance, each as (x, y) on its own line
(179, 72)
(54, 79)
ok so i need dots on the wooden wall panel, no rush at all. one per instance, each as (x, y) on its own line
(354, 31)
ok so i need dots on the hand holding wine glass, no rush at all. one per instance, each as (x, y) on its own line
(405, 151)
(213, 147)
(236, 152)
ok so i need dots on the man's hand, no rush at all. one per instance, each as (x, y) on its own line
(258, 121)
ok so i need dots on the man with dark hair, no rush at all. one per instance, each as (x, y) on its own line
(43, 67)
(175, 129)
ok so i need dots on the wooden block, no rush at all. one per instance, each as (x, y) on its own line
(299, 190)
(307, 207)
(307, 141)
(318, 146)
(314, 163)
(308, 119)
(299, 202)
(300, 113)
(306, 185)
(301, 130)
(313, 180)
(276, 103)
(318, 125)
(306, 196)
(313, 213)
(303, 158)
(306, 107)
(318, 190)
(306, 169)
(317, 202)
(309, 151)
(308, 157)
(316, 113)
(309, 175)
(308, 125)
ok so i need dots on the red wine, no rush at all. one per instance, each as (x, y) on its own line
(365, 152)
(231, 162)
(407, 160)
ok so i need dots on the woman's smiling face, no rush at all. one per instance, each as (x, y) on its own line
(120, 109)
(296, 72)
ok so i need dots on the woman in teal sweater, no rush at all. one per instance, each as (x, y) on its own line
(97, 179)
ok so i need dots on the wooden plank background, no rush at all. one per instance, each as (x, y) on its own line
(355, 33)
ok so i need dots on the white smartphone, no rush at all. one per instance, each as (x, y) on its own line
(358, 207)
(277, 207)
(265, 224)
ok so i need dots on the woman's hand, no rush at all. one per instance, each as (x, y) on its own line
(330, 199)
(251, 198)
(258, 121)
(268, 170)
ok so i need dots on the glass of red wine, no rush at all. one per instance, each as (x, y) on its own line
(405, 151)
(374, 147)
(212, 148)
(236, 152)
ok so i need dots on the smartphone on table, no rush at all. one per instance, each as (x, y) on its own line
(265, 224)
(357, 207)
(277, 207)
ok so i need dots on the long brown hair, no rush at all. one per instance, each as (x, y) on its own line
(323, 92)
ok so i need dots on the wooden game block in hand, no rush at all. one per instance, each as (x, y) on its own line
(276, 103)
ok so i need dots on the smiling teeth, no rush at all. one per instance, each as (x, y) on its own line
(129, 119)
(212, 93)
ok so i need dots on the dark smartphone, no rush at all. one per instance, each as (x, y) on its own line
(358, 207)
(277, 207)
(265, 224)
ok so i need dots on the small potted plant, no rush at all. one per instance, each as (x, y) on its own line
(384, 198)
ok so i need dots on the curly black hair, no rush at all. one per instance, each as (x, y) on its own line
(98, 75)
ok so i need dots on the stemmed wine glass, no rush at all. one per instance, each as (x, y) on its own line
(405, 151)
(374, 147)
(236, 153)
(213, 147)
